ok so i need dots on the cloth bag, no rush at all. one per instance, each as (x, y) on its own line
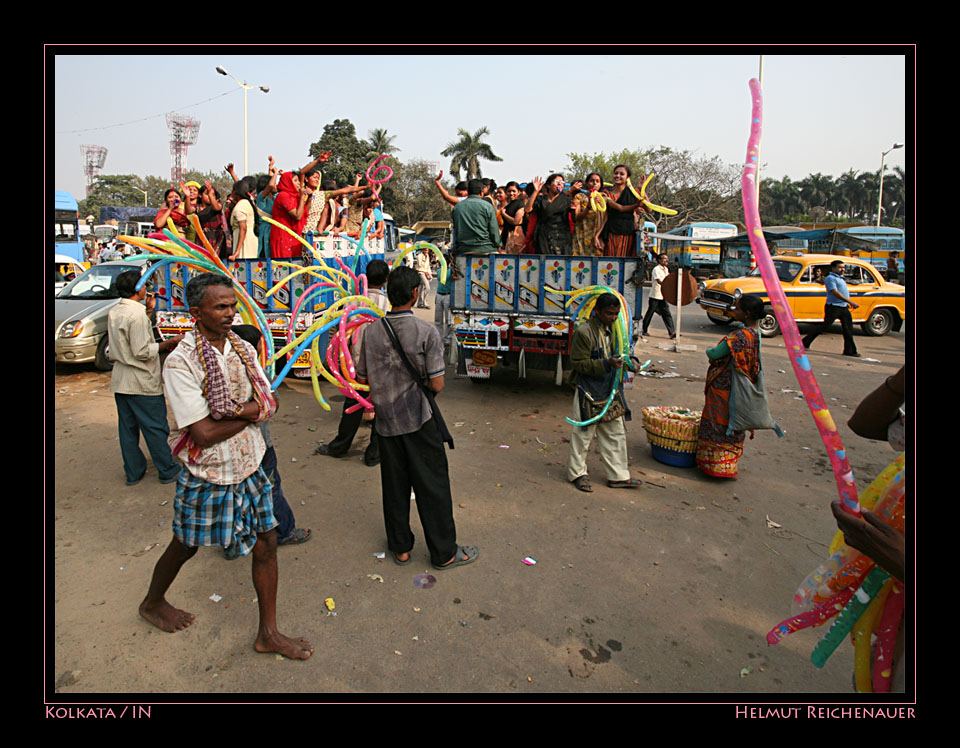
(749, 409)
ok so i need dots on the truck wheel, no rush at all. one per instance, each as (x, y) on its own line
(101, 358)
(878, 323)
(769, 327)
(719, 320)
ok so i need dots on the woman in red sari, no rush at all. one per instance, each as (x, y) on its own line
(290, 208)
(719, 449)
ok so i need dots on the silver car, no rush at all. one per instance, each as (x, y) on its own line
(80, 312)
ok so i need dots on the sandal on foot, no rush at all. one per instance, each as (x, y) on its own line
(629, 483)
(583, 483)
(296, 537)
(466, 554)
(398, 562)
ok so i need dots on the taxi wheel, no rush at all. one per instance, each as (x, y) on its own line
(878, 323)
(768, 326)
(719, 320)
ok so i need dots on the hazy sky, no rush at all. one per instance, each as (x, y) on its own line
(822, 113)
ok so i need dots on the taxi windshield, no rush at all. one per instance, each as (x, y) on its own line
(786, 270)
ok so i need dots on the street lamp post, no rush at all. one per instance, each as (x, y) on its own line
(245, 87)
(883, 156)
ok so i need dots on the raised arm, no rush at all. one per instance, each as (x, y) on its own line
(443, 193)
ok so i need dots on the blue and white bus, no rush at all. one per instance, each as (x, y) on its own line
(66, 227)
(888, 239)
(702, 254)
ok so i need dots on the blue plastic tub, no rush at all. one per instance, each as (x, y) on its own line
(671, 457)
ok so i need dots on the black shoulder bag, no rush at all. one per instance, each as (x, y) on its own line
(430, 394)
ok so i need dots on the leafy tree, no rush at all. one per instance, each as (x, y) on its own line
(380, 144)
(416, 195)
(348, 153)
(465, 153)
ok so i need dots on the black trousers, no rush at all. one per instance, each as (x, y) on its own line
(349, 423)
(831, 313)
(417, 461)
(661, 307)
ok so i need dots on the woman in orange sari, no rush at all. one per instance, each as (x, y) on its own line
(718, 448)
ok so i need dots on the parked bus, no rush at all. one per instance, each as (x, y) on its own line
(702, 255)
(66, 227)
(887, 238)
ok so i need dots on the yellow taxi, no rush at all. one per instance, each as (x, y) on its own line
(881, 304)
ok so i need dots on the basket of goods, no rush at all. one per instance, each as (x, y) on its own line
(672, 433)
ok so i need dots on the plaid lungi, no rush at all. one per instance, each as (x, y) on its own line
(228, 516)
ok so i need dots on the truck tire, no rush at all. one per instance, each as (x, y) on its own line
(769, 327)
(101, 358)
(879, 323)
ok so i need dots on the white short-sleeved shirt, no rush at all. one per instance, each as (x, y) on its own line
(659, 273)
(243, 214)
(234, 459)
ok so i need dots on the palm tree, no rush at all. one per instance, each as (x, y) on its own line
(817, 190)
(850, 194)
(465, 153)
(380, 143)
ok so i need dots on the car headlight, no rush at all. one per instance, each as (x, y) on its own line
(72, 329)
(737, 293)
(701, 287)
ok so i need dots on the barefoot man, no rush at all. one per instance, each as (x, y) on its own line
(218, 394)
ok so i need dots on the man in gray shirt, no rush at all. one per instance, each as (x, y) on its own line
(411, 447)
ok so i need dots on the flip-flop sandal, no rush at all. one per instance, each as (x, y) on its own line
(583, 483)
(629, 483)
(296, 537)
(466, 554)
(398, 562)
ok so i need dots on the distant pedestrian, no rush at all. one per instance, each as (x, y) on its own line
(658, 304)
(837, 307)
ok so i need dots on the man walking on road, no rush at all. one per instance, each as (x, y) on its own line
(411, 442)
(219, 394)
(135, 382)
(837, 307)
(657, 303)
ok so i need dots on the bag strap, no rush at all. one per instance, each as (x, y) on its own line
(430, 394)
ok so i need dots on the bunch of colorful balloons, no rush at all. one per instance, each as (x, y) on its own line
(621, 334)
(169, 247)
(850, 588)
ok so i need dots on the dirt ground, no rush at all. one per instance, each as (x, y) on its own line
(665, 592)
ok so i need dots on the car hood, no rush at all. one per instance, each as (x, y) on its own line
(729, 285)
(67, 310)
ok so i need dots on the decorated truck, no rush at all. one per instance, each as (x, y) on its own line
(261, 276)
(512, 310)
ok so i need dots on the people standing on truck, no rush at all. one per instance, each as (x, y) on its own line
(837, 306)
(529, 221)
(135, 381)
(460, 191)
(173, 209)
(590, 216)
(412, 450)
(243, 219)
(290, 209)
(210, 215)
(594, 373)
(475, 223)
(511, 236)
(266, 192)
(377, 272)
(658, 304)
(619, 233)
(551, 204)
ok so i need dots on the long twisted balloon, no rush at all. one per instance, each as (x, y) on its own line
(791, 335)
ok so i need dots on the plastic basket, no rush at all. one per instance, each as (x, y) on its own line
(672, 432)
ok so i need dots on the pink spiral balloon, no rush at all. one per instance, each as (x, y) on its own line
(791, 334)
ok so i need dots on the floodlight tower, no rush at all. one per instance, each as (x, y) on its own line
(94, 157)
(183, 133)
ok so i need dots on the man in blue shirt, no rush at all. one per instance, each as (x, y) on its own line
(838, 307)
